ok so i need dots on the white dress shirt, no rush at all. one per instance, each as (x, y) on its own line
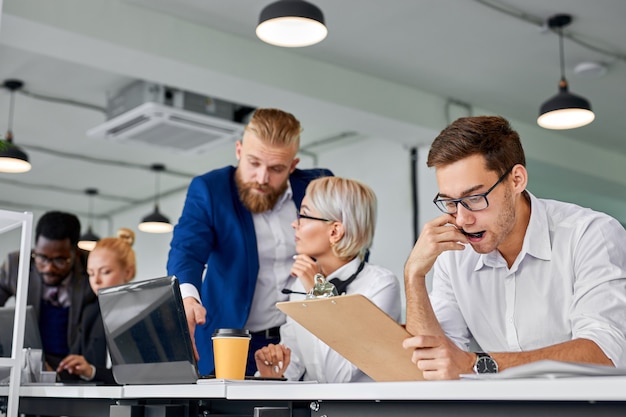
(312, 359)
(276, 247)
(568, 282)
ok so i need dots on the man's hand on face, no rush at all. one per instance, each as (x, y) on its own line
(438, 235)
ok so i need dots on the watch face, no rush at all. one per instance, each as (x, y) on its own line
(486, 365)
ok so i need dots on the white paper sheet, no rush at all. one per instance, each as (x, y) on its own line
(551, 369)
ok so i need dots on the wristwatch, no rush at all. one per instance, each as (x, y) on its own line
(485, 364)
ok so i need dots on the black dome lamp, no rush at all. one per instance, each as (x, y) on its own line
(291, 24)
(89, 239)
(12, 158)
(565, 110)
(156, 222)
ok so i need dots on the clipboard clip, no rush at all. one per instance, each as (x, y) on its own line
(321, 288)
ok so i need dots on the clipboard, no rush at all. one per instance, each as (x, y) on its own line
(360, 331)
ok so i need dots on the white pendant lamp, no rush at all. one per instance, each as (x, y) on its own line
(156, 222)
(565, 110)
(12, 158)
(291, 24)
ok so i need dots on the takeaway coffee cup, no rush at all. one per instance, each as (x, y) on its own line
(230, 350)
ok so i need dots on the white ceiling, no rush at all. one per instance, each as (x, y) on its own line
(497, 61)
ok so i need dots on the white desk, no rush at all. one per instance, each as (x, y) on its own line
(214, 390)
(563, 389)
(67, 400)
(595, 396)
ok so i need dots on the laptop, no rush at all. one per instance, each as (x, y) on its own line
(32, 337)
(147, 333)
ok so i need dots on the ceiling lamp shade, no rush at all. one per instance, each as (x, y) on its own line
(89, 239)
(565, 110)
(291, 24)
(12, 159)
(156, 222)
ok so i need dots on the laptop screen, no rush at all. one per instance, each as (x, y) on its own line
(32, 338)
(147, 333)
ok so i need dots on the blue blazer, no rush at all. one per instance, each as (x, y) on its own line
(216, 230)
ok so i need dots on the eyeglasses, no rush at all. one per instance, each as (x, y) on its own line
(59, 262)
(474, 202)
(304, 216)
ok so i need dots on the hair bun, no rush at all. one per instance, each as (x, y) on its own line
(126, 235)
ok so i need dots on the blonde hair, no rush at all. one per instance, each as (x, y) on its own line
(353, 204)
(275, 127)
(121, 246)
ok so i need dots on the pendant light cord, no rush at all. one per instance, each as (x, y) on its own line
(91, 192)
(12, 103)
(157, 188)
(90, 211)
(562, 53)
(157, 168)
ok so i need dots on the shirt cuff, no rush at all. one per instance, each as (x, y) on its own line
(93, 374)
(189, 290)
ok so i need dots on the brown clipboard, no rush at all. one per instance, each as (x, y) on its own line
(360, 331)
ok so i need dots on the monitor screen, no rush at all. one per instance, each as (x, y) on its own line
(143, 322)
(32, 337)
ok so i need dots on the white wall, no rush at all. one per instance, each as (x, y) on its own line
(164, 49)
(383, 164)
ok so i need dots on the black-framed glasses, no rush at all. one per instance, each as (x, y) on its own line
(304, 216)
(475, 202)
(59, 262)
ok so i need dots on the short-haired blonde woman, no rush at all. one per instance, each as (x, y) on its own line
(334, 231)
(111, 262)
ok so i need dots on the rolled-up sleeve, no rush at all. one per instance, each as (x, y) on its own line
(598, 310)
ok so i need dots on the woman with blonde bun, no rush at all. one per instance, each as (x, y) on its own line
(111, 262)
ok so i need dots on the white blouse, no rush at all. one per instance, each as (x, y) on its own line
(312, 359)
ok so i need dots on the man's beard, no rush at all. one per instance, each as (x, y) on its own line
(255, 202)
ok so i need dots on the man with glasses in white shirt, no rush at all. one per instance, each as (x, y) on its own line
(236, 224)
(58, 285)
(525, 278)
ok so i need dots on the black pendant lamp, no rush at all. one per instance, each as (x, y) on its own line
(12, 158)
(89, 239)
(291, 24)
(565, 110)
(156, 222)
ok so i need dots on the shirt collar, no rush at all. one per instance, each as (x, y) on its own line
(344, 272)
(537, 238)
(287, 195)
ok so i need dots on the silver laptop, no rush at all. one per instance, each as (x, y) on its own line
(32, 337)
(147, 334)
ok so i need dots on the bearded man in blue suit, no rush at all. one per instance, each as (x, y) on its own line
(236, 223)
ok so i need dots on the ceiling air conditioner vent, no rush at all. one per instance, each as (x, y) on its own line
(176, 129)
(171, 119)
